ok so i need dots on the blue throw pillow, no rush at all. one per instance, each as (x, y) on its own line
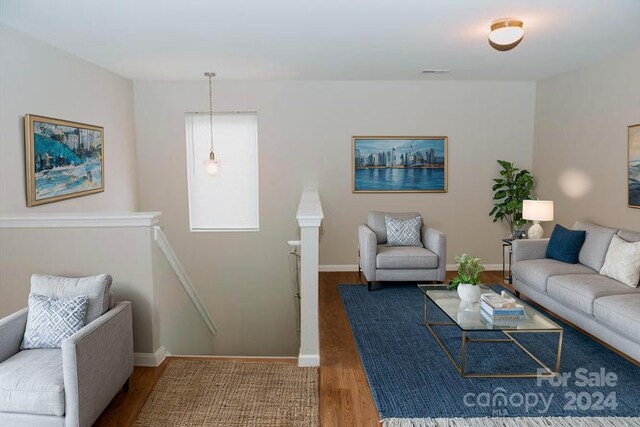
(564, 244)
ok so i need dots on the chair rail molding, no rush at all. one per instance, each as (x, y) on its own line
(309, 217)
(81, 220)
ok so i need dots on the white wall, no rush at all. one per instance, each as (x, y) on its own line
(124, 253)
(305, 131)
(580, 155)
(40, 79)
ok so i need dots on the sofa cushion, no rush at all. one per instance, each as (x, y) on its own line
(595, 244)
(376, 222)
(629, 235)
(535, 272)
(31, 382)
(398, 257)
(622, 262)
(581, 290)
(621, 312)
(97, 288)
(564, 244)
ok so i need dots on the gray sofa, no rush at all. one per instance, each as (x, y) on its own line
(68, 386)
(379, 262)
(604, 307)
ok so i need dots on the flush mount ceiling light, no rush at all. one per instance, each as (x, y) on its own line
(506, 33)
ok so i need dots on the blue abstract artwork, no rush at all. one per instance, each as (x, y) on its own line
(634, 166)
(64, 159)
(400, 164)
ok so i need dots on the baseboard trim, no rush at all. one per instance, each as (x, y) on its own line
(309, 360)
(327, 268)
(150, 359)
(338, 268)
(200, 356)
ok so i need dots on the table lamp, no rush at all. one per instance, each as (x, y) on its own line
(536, 211)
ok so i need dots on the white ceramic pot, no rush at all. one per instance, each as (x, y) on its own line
(469, 293)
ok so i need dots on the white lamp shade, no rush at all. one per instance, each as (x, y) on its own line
(537, 210)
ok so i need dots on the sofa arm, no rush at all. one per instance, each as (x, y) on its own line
(11, 332)
(523, 249)
(97, 361)
(436, 242)
(368, 247)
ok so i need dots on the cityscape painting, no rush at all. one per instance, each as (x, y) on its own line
(634, 166)
(399, 164)
(63, 159)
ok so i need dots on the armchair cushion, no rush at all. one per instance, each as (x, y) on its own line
(53, 320)
(405, 257)
(31, 382)
(96, 287)
(376, 222)
(403, 232)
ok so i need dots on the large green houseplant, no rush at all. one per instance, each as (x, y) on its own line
(510, 190)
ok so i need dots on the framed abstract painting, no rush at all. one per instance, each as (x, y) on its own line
(634, 166)
(63, 159)
(399, 164)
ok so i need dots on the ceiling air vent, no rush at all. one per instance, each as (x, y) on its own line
(435, 71)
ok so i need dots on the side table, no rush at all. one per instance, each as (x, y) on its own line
(507, 250)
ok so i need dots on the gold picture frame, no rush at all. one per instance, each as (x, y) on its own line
(63, 159)
(633, 166)
(399, 164)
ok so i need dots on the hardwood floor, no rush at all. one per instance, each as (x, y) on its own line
(345, 397)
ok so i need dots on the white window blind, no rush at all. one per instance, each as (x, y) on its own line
(227, 201)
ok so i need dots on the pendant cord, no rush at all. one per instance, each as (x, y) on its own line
(211, 112)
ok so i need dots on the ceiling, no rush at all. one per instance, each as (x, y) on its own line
(328, 39)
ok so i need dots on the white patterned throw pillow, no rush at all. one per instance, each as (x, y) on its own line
(622, 262)
(52, 320)
(403, 232)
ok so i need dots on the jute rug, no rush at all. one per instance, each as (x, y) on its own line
(229, 393)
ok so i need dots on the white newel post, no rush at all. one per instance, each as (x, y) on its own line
(309, 218)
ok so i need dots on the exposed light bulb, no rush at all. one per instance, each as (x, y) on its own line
(211, 164)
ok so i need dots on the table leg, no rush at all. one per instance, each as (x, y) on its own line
(425, 309)
(559, 354)
(463, 352)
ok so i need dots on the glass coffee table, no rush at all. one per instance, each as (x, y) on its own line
(467, 317)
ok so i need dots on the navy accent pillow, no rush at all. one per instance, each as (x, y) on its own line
(564, 244)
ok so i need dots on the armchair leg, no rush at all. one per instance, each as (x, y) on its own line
(369, 285)
(125, 387)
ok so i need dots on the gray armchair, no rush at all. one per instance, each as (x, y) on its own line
(379, 262)
(68, 386)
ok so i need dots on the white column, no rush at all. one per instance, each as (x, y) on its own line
(309, 218)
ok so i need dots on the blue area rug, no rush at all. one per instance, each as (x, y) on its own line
(411, 377)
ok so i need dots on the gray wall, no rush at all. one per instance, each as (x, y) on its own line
(580, 149)
(40, 79)
(305, 131)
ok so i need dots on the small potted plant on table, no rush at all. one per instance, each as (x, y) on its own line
(468, 278)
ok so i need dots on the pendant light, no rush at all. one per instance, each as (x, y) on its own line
(211, 164)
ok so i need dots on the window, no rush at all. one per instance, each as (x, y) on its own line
(227, 201)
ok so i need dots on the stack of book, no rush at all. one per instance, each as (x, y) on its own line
(500, 307)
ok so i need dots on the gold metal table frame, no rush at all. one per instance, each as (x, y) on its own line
(547, 372)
